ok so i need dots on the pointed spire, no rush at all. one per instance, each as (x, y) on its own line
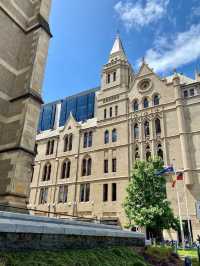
(118, 49)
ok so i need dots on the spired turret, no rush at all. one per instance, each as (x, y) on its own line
(117, 51)
(118, 71)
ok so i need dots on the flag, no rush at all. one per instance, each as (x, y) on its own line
(178, 177)
(166, 169)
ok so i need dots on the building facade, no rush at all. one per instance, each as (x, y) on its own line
(87, 143)
(24, 38)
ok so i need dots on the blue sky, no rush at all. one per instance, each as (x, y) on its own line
(166, 32)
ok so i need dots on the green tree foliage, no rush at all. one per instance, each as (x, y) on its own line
(146, 204)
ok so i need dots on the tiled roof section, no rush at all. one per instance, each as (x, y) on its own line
(81, 105)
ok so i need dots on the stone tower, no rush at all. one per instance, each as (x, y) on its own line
(24, 34)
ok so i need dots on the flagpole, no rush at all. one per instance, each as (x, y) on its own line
(187, 210)
(180, 219)
(179, 211)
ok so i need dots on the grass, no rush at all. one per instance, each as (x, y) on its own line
(162, 256)
(116, 256)
(119, 256)
(192, 253)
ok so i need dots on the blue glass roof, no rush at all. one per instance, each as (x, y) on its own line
(81, 105)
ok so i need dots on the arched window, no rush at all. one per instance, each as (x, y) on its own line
(148, 153)
(116, 110)
(105, 113)
(146, 129)
(136, 131)
(46, 172)
(65, 173)
(86, 166)
(157, 126)
(106, 136)
(50, 147)
(145, 103)
(85, 139)
(156, 100)
(114, 135)
(135, 106)
(66, 143)
(70, 142)
(160, 151)
(90, 139)
(68, 169)
(137, 155)
(114, 76)
(110, 111)
(89, 166)
(108, 78)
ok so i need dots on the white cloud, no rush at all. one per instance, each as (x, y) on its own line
(138, 15)
(196, 11)
(175, 51)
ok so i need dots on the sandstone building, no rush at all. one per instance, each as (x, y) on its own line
(24, 37)
(88, 143)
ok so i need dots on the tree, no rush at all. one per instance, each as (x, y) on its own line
(146, 204)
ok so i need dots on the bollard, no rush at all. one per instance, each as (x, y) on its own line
(188, 261)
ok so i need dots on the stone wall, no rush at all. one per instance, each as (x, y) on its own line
(28, 241)
(24, 42)
(27, 232)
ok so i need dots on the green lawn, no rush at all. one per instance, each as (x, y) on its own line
(119, 256)
(190, 253)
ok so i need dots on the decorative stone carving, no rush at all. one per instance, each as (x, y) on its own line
(144, 85)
